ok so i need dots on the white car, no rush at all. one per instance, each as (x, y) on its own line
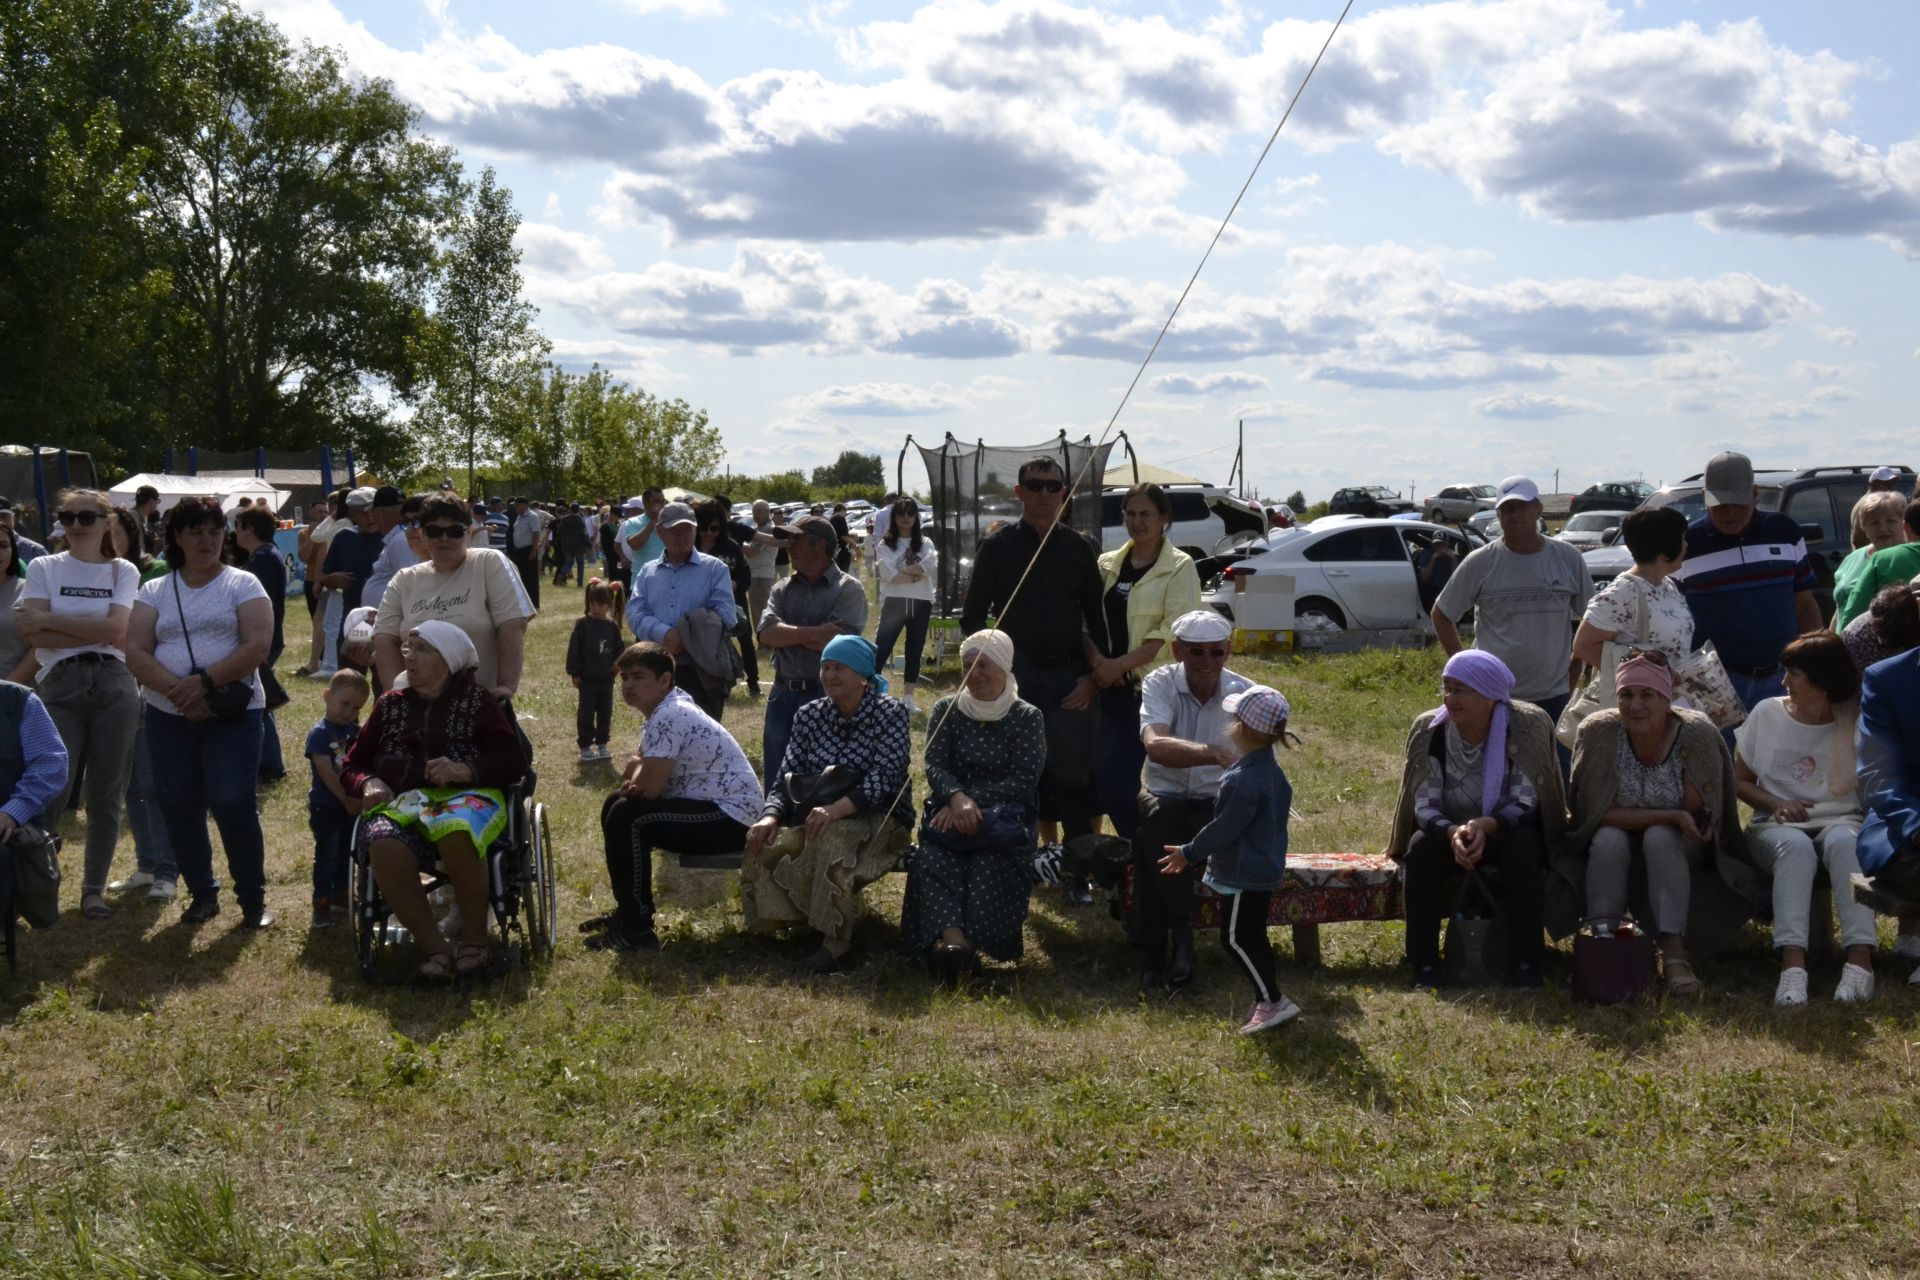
(1355, 573)
(1589, 529)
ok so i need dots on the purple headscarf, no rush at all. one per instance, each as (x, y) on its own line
(1489, 677)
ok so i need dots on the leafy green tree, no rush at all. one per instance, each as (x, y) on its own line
(591, 434)
(483, 350)
(301, 210)
(852, 468)
(1297, 500)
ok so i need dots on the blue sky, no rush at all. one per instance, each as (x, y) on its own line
(1600, 238)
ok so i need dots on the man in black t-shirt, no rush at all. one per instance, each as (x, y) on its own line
(1048, 618)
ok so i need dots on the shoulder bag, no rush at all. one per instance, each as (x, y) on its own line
(36, 875)
(227, 701)
(1700, 681)
(1597, 693)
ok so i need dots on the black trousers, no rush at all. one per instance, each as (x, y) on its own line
(1243, 932)
(1432, 878)
(1073, 745)
(593, 721)
(1162, 903)
(633, 828)
(528, 563)
(749, 654)
(705, 694)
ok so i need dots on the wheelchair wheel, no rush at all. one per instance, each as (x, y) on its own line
(539, 909)
(369, 915)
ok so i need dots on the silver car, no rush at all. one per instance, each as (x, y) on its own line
(1353, 572)
(1458, 502)
(1589, 529)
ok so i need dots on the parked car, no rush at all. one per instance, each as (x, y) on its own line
(1367, 500)
(1487, 525)
(1614, 495)
(1351, 573)
(1819, 499)
(1458, 502)
(1589, 529)
(1207, 520)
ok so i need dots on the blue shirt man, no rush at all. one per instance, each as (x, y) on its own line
(667, 589)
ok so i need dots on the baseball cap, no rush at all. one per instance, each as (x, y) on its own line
(360, 499)
(1728, 480)
(1517, 489)
(675, 514)
(1261, 709)
(388, 496)
(1883, 474)
(635, 503)
(818, 526)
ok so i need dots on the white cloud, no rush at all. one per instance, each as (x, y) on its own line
(1697, 366)
(1526, 406)
(1832, 394)
(1185, 384)
(551, 250)
(881, 399)
(1273, 410)
(1841, 336)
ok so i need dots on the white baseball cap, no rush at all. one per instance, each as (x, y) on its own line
(1883, 474)
(1517, 489)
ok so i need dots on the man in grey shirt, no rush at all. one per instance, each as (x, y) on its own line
(806, 609)
(1527, 591)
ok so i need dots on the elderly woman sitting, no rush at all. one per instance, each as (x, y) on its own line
(1654, 782)
(967, 891)
(1480, 787)
(838, 809)
(430, 767)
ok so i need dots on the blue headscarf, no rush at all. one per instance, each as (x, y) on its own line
(858, 655)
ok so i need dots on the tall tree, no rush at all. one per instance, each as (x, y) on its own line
(484, 351)
(302, 211)
(852, 468)
(591, 434)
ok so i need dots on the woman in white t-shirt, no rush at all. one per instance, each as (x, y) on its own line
(203, 626)
(908, 568)
(73, 611)
(475, 588)
(1656, 537)
(1795, 766)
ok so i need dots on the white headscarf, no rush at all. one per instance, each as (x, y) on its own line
(994, 647)
(450, 642)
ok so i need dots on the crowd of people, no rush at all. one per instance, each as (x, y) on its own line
(1094, 689)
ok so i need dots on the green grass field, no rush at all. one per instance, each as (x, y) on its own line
(182, 1104)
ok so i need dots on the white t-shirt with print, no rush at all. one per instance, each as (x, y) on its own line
(77, 589)
(1790, 758)
(1615, 607)
(707, 763)
(478, 597)
(213, 613)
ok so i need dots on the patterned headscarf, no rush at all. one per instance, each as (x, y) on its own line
(1489, 677)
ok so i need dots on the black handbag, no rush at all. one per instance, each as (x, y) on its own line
(1476, 950)
(226, 701)
(807, 791)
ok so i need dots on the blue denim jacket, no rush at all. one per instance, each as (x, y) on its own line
(1245, 846)
(1887, 754)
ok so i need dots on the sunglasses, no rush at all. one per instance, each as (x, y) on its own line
(1043, 486)
(85, 519)
(443, 532)
(1209, 651)
(1657, 657)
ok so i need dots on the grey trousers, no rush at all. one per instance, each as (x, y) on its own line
(96, 708)
(1670, 858)
(1794, 857)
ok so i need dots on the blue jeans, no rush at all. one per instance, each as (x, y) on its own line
(209, 768)
(1752, 691)
(152, 851)
(897, 615)
(782, 705)
(332, 829)
(576, 564)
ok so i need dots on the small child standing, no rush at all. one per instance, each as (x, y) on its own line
(595, 643)
(1242, 853)
(330, 810)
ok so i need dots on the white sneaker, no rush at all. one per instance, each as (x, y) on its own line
(1792, 991)
(1267, 1014)
(1906, 946)
(138, 880)
(588, 753)
(1856, 985)
(162, 891)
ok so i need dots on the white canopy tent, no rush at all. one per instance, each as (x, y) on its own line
(228, 489)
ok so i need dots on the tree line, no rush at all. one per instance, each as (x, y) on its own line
(211, 236)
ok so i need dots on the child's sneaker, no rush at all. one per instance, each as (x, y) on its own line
(322, 914)
(587, 755)
(1267, 1014)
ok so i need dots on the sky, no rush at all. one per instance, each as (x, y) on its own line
(1571, 238)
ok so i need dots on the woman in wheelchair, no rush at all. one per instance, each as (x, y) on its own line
(430, 766)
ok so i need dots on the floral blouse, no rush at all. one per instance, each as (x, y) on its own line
(874, 738)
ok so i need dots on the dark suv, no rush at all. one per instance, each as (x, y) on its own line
(1373, 500)
(1820, 500)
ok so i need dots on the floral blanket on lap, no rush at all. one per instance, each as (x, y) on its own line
(438, 812)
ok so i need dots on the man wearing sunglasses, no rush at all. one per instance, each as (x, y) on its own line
(1049, 617)
(1184, 725)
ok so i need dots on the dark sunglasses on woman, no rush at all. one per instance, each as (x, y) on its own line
(85, 519)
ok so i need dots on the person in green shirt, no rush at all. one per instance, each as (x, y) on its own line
(1886, 564)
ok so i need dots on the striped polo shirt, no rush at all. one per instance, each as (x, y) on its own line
(1741, 588)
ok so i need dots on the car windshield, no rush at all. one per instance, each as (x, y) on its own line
(1692, 503)
(1379, 491)
(1594, 520)
(1484, 491)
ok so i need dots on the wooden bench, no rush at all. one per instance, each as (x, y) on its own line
(1320, 888)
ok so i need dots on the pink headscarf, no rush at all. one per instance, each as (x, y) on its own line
(1489, 677)
(1642, 672)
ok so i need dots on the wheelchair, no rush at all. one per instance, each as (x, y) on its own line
(520, 896)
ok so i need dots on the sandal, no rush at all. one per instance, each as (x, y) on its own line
(437, 968)
(1682, 981)
(93, 906)
(471, 959)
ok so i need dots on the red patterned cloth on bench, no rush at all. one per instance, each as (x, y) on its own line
(1321, 888)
